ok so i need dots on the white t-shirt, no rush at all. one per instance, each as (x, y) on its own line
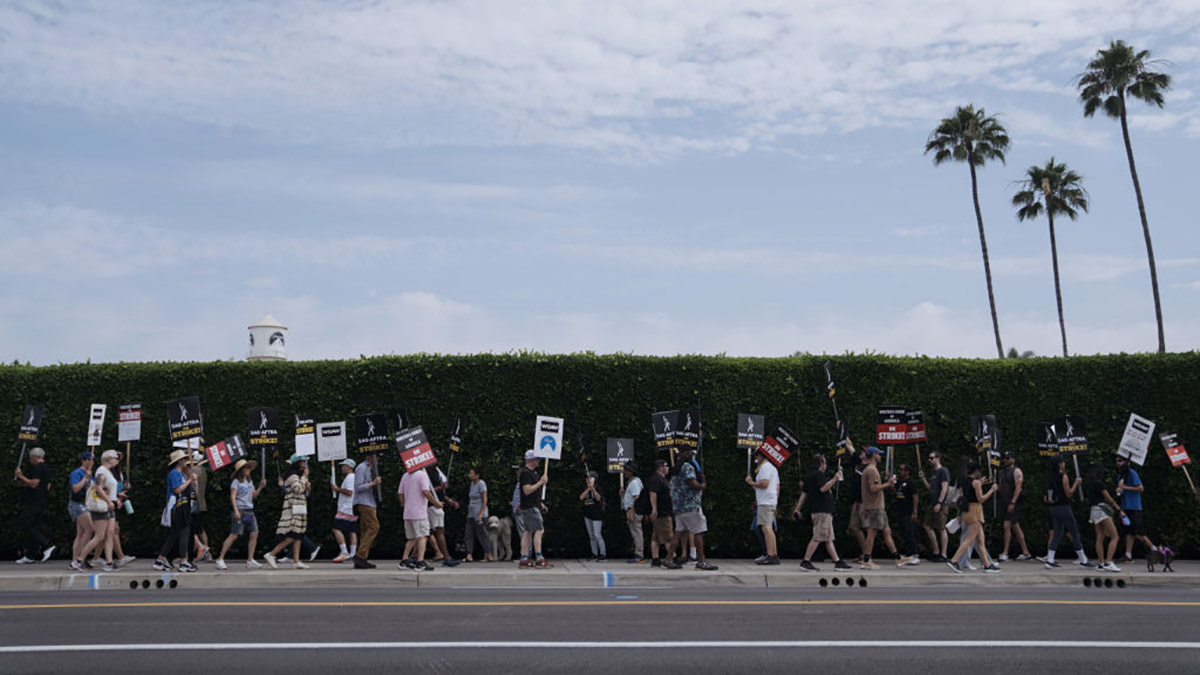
(768, 496)
(346, 502)
(104, 477)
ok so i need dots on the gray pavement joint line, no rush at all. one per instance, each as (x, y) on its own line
(742, 644)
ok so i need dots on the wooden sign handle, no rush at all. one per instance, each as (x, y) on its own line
(545, 474)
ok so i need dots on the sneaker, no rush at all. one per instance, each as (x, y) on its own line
(992, 569)
(285, 558)
(159, 564)
(525, 562)
(842, 565)
(253, 564)
(271, 560)
(109, 567)
(679, 561)
(762, 559)
(671, 565)
(915, 560)
(407, 564)
(341, 558)
(1003, 558)
(656, 562)
(601, 558)
(424, 566)
(937, 558)
(205, 554)
(187, 567)
(542, 563)
(300, 566)
(1041, 559)
(809, 567)
(1052, 565)
(868, 565)
(635, 560)
(78, 566)
(691, 558)
(902, 560)
(773, 560)
(25, 560)
(363, 564)
(1110, 566)
(220, 564)
(709, 567)
(451, 562)
(47, 553)
(1087, 565)
(956, 568)
(313, 556)
(125, 560)
(967, 565)
(87, 565)
(1024, 556)
(857, 560)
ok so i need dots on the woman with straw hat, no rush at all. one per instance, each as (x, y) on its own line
(181, 485)
(293, 521)
(242, 493)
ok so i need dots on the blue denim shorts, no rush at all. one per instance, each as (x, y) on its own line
(248, 523)
(76, 509)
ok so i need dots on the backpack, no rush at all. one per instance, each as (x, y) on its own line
(641, 505)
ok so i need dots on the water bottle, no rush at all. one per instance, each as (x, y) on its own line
(1125, 520)
(128, 507)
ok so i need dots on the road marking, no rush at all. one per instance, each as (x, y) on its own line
(741, 644)
(604, 603)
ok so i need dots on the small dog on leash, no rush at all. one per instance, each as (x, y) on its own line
(500, 532)
(1163, 556)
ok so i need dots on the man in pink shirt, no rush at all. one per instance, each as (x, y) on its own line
(416, 494)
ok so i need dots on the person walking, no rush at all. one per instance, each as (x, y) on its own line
(177, 515)
(440, 484)
(200, 509)
(102, 503)
(593, 517)
(365, 480)
(1059, 492)
(1103, 508)
(293, 519)
(415, 495)
(35, 497)
(856, 495)
(531, 484)
(907, 505)
(874, 517)
(635, 521)
(766, 499)
(687, 490)
(345, 523)
(477, 516)
(938, 485)
(80, 482)
(817, 493)
(975, 498)
(242, 493)
(1130, 489)
(661, 511)
(1012, 494)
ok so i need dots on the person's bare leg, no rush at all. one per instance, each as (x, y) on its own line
(699, 539)
(887, 540)
(1100, 543)
(869, 543)
(1019, 535)
(252, 547)
(1007, 537)
(226, 544)
(537, 542)
(832, 550)
(768, 537)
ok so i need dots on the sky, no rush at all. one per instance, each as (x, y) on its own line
(646, 176)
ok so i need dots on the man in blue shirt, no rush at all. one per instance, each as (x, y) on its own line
(1130, 488)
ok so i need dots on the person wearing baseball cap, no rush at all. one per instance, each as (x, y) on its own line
(874, 517)
(345, 523)
(531, 512)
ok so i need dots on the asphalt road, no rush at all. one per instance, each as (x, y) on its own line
(713, 630)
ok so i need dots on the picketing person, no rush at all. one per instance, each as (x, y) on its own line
(687, 491)
(293, 518)
(530, 484)
(177, 514)
(242, 493)
(437, 515)
(938, 485)
(874, 517)
(80, 482)
(975, 497)
(766, 499)
(817, 492)
(1130, 490)
(593, 517)
(415, 494)
(1102, 509)
(477, 516)
(345, 523)
(1012, 495)
(661, 511)
(200, 509)
(365, 479)
(102, 504)
(1060, 489)
(635, 521)
(907, 504)
(35, 497)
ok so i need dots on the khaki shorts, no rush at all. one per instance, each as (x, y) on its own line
(416, 529)
(766, 515)
(936, 521)
(663, 527)
(856, 522)
(874, 519)
(437, 517)
(822, 525)
(693, 522)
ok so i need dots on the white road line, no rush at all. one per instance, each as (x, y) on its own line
(742, 644)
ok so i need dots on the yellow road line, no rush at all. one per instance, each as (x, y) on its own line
(609, 603)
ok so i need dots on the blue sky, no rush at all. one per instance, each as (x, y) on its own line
(651, 177)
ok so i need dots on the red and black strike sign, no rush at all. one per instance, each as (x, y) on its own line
(891, 425)
(916, 426)
(1175, 450)
(779, 446)
(225, 452)
(415, 451)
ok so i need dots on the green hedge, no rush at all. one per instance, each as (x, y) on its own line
(613, 395)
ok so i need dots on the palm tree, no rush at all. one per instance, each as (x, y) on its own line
(970, 136)
(1062, 194)
(1114, 73)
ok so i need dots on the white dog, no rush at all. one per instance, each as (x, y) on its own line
(500, 532)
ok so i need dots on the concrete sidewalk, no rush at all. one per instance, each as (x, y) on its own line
(56, 575)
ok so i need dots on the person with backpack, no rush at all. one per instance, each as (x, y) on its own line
(1059, 491)
(631, 496)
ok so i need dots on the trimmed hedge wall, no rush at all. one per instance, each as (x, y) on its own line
(614, 395)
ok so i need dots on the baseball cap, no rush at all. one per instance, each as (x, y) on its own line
(530, 454)
(872, 450)
(348, 462)
(1008, 454)
(296, 458)
(87, 454)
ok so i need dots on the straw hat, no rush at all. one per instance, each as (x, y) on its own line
(176, 456)
(241, 463)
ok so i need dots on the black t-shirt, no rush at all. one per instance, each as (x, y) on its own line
(1054, 490)
(856, 495)
(818, 502)
(1094, 491)
(661, 487)
(40, 495)
(534, 499)
(593, 508)
(905, 491)
(940, 475)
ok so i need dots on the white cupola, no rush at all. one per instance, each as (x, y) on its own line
(266, 340)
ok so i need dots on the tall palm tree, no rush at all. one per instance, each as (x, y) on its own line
(1062, 194)
(1115, 73)
(970, 136)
